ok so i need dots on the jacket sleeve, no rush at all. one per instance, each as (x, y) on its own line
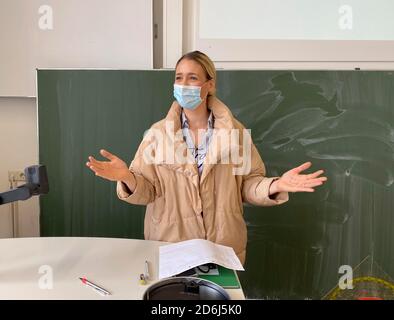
(255, 185)
(147, 186)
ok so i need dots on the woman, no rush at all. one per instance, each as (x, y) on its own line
(201, 197)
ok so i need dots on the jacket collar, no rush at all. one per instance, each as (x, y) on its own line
(223, 119)
(185, 122)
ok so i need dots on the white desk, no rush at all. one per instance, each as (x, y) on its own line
(114, 264)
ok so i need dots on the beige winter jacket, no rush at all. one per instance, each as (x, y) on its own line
(180, 204)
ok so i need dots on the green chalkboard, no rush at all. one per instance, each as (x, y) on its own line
(342, 121)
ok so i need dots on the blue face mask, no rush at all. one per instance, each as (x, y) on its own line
(188, 96)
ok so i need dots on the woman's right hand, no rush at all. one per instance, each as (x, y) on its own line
(114, 170)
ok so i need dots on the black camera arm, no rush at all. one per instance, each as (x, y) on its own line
(37, 183)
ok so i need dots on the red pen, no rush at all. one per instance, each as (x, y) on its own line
(98, 289)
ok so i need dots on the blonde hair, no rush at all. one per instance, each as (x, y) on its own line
(205, 62)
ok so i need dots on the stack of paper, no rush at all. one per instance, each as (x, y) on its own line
(181, 256)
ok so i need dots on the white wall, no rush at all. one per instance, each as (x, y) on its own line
(19, 149)
(71, 34)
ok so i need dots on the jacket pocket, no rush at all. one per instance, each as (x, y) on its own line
(232, 231)
(156, 211)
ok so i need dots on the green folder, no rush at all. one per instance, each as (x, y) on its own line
(227, 278)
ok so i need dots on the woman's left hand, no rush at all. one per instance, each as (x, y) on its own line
(294, 181)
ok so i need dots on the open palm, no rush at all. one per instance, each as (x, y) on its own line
(294, 181)
(114, 169)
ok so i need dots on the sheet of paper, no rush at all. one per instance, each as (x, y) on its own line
(181, 256)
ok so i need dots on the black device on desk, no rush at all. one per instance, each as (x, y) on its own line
(37, 183)
(202, 269)
(220, 275)
(188, 286)
(185, 288)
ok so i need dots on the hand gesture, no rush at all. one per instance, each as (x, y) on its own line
(294, 181)
(114, 170)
